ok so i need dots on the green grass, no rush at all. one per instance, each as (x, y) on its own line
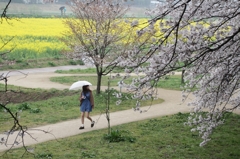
(92, 79)
(62, 108)
(163, 137)
(172, 82)
(37, 63)
(77, 71)
(85, 71)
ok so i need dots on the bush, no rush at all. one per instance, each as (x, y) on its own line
(72, 62)
(44, 155)
(51, 64)
(76, 62)
(35, 110)
(118, 136)
(24, 106)
(86, 154)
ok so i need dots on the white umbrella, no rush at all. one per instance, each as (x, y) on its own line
(78, 85)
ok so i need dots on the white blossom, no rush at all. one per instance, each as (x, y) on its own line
(205, 37)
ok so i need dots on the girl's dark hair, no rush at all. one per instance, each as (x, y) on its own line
(85, 89)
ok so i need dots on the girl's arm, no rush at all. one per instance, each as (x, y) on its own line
(80, 98)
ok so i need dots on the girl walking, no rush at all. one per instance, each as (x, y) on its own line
(86, 105)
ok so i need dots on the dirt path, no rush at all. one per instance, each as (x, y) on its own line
(171, 105)
(38, 77)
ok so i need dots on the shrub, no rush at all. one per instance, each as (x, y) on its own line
(118, 136)
(76, 62)
(35, 110)
(24, 106)
(51, 63)
(44, 155)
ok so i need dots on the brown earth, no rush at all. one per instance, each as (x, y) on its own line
(23, 96)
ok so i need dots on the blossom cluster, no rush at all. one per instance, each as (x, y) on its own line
(202, 38)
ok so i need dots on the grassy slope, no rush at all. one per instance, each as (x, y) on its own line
(173, 82)
(36, 113)
(164, 137)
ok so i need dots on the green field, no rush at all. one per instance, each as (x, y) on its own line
(172, 82)
(164, 137)
(39, 106)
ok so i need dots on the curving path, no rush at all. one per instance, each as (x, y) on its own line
(40, 79)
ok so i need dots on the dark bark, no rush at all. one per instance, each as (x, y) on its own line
(99, 80)
(182, 77)
(183, 71)
(4, 13)
(108, 108)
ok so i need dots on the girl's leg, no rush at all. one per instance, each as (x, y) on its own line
(92, 122)
(87, 115)
(82, 117)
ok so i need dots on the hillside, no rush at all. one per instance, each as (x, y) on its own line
(53, 9)
(35, 9)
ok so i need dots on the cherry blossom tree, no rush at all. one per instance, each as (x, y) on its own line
(98, 34)
(204, 37)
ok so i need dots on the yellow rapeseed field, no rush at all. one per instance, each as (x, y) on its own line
(40, 37)
(48, 27)
(35, 37)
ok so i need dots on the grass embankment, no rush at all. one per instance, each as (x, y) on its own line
(164, 137)
(37, 63)
(171, 82)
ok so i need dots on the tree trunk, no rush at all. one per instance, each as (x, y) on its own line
(99, 80)
(182, 78)
(183, 71)
(107, 109)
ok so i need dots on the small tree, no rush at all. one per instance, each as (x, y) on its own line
(98, 34)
